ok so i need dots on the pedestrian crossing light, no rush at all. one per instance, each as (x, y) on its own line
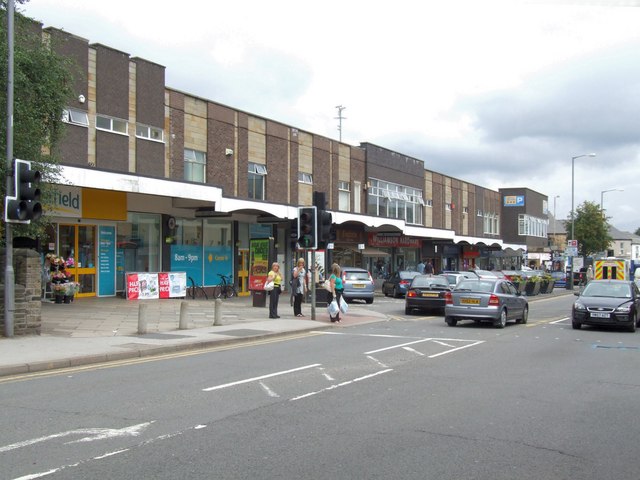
(24, 206)
(325, 220)
(308, 227)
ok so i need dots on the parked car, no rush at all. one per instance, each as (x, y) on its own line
(426, 292)
(358, 284)
(607, 302)
(486, 273)
(485, 300)
(456, 277)
(397, 284)
(560, 278)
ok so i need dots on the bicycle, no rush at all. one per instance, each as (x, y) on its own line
(196, 291)
(226, 289)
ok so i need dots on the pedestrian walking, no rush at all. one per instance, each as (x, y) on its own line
(589, 274)
(274, 295)
(428, 268)
(420, 267)
(337, 288)
(299, 287)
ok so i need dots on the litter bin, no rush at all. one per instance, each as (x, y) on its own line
(259, 298)
(322, 297)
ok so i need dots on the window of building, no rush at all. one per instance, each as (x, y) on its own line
(195, 163)
(428, 203)
(448, 207)
(386, 199)
(344, 196)
(138, 245)
(479, 213)
(256, 177)
(532, 226)
(465, 210)
(305, 178)
(75, 117)
(111, 124)
(150, 133)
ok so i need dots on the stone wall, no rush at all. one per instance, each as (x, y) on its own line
(27, 317)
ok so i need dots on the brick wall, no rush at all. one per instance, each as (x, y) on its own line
(27, 317)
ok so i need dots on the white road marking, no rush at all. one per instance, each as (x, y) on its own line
(561, 320)
(409, 349)
(338, 385)
(262, 377)
(111, 454)
(374, 335)
(377, 361)
(270, 392)
(396, 346)
(325, 374)
(95, 434)
(443, 344)
(456, 349)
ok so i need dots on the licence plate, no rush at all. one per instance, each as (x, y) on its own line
(429, 294)
(358, 285)
(470, 301)
(599, 315)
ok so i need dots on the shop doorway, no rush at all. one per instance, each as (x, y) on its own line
(79, 242)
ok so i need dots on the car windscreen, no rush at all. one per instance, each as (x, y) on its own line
(601, 289)
(485, 286)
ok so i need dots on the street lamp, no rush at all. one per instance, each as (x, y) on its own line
(573, 163)
(555, 229)
(602, 198)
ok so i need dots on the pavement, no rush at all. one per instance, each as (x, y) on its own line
(97, 330)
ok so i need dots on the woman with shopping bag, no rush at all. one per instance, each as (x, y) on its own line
(335, 280)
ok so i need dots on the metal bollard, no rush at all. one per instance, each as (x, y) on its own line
(184, 316)
(217, 313)
(142, 318)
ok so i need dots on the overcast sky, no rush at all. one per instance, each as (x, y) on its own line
(496, 93)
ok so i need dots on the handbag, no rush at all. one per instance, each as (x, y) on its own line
(343, 305)
(327, 286)
(333, 309)
(268, 286)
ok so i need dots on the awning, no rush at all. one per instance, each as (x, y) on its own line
(372, 252)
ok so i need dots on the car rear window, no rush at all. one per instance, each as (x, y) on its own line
(429, 281)
(356, 276)
(486, 286)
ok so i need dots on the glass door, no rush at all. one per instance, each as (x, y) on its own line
(79, 243)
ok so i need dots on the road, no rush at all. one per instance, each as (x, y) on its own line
(410, 398)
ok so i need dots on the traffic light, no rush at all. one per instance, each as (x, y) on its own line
(308, 227)
(24, 205)
(325, 220)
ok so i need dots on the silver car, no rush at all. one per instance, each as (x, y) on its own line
(358, 284)
(485, 300)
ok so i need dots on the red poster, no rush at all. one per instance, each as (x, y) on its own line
(163, 285)
(133, 286)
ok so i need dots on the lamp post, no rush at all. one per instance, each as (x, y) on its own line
(573, 163)
(602, 197)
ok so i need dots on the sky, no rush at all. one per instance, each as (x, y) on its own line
(498, 93)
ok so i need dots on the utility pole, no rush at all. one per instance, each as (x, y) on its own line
(340, 118)
(9, 274)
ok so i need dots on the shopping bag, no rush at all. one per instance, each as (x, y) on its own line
(343, 305)
(333, 309)
(268, 286)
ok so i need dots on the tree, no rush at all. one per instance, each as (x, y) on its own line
(591, 229)
(42, 89)
(637, 232)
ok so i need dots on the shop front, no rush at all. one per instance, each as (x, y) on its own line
(399, 252)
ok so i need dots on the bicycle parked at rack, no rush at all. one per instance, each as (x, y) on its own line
(226, 289)
(195, 291)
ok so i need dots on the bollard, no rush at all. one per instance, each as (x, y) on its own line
(184, 316)
(217, 313)
(142, 318)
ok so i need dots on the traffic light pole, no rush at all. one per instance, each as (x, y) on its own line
(9, 275)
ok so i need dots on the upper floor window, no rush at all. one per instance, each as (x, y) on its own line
(111, 124)
(479, 213)
(386, 199)
(532, 226)
(195, 163)
(344, 196)
(428, 203)
(305, 178)
(75, 117)
(491, 224)
(150, 133)
(256, 174)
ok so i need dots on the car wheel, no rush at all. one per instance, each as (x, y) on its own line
(368, 300)
(525, 315)
(451, 321)
(407, 311)
(576, 325)
(384, 292)
(396, 294)
(502, 321)
(632, 328)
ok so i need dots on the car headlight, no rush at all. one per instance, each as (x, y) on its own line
(626, 308)
(578, 306)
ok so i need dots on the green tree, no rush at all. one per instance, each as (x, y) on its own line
(42, 89)
(591, 229)
(637, 232)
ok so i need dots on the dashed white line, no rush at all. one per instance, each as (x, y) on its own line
(262, 377)
(338, 385)
(270, 392)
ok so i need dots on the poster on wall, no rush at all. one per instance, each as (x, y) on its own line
(142, 285)
(259, 262)
(106, 261)
(187, 258)
(217, 261)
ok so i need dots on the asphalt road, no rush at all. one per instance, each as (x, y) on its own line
(410, 398)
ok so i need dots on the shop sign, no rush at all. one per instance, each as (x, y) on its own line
(381, 240)
(259, 263)
(217, 261)
(66, 201)
(106, 260)
(514, 200)
(144, 285)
